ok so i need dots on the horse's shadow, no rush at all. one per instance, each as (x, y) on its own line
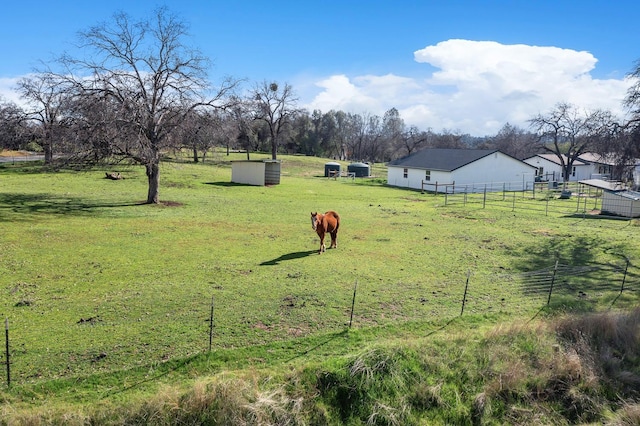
(289, 256)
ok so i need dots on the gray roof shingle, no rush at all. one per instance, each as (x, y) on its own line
(444, 159)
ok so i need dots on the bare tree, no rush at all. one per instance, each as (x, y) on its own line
(49, 97)
(243, 129)
(200, 131)
(13, 132)
(276, 107)
(632, 100)
(393, 132)
(514, 141)
(629, 134)
(448, 139)
(412, 140)
(569, 133)
(150, 75)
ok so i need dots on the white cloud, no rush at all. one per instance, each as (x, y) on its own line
(478, 87)
(8, 92)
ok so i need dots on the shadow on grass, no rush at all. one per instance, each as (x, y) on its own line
(332, 337)
(599, 216)
(289, 256)
(589, 274)
(12, 205)
(229, 184)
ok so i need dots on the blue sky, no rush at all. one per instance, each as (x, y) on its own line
(464, 66)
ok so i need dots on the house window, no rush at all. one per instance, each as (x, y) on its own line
(573, 171)
(405, 173)
(540, 171)
(427, 175)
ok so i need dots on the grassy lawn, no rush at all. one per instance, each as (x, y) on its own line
(108, 298)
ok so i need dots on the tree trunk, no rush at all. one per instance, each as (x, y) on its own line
(48, 153)
(153, 175)
(195, 154)
(274, 148)
(47, 146)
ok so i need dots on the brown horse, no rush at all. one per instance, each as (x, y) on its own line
(323, 223)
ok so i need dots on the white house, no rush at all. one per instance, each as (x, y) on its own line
(550, 168)
(609, 166)
(600, 166)
(449, 170)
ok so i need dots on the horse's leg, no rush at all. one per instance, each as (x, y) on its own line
(334, 239)
(322, 246)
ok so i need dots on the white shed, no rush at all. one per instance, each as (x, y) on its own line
(616, 198)
(621, 203)
(256, 172)
(448, 170)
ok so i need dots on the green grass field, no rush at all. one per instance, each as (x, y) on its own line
(108, 299)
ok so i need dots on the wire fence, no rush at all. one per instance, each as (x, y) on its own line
(285, 314)
(540, 197)
(502, 294)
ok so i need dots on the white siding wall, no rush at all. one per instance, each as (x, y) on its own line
(248, 172)
(395, 177)
(619, 205)
(550, 168)
(495, 168)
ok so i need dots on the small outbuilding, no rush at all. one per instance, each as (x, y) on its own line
(359, 169)
(256, 172)
(616, 198)
(621, 203)
(332, 169)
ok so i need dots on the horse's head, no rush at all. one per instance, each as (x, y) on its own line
(315, 218)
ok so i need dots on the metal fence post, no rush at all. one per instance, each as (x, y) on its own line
(211, 324)
(484, 198)
(546, 210)
(353, 303)
(553, 279)
(6, 336)
(624, 277)
(464, 297)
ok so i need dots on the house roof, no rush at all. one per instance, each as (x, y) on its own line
(443, 158)
(592, 157)
(609, 159)
(554, 159)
